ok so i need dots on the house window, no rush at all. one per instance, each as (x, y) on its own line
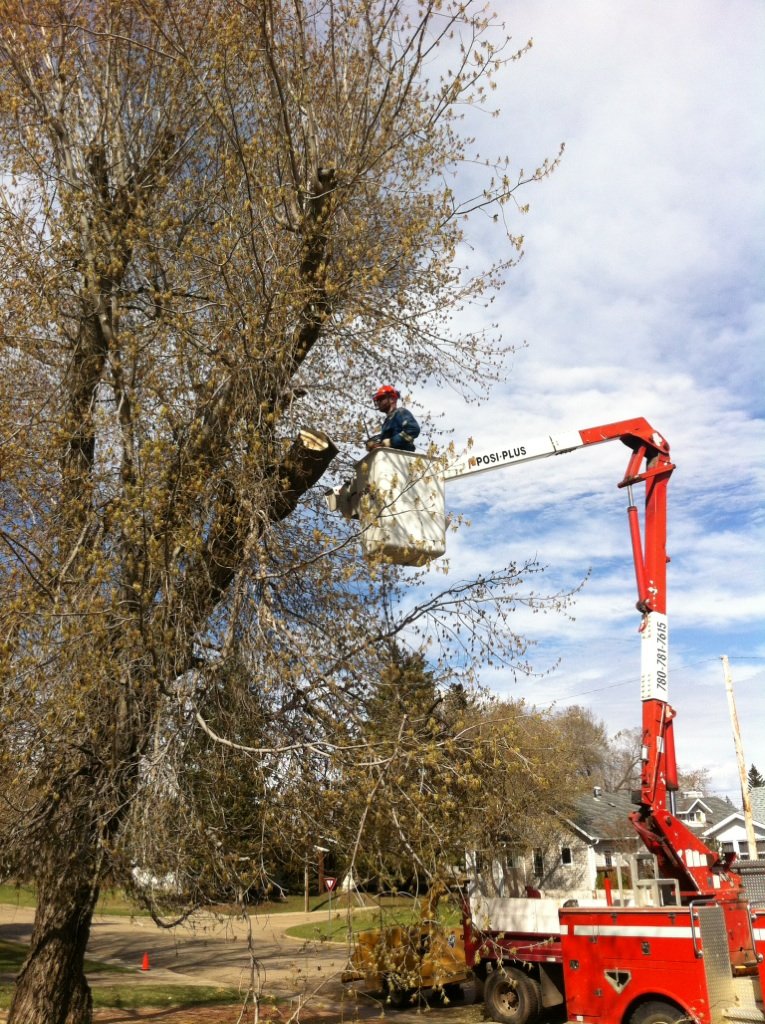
(608, 860)
(508, 858)
(566, 856)
(539, 863)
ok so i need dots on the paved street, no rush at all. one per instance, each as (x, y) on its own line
(303, 975)
(210, 951)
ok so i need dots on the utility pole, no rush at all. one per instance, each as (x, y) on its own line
(747, 803)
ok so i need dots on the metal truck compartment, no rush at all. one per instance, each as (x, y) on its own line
(515, 914)
(753, 877)
(616, 957)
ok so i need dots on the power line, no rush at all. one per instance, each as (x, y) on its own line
(631, 680)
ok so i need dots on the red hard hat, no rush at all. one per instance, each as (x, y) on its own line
(384, 391)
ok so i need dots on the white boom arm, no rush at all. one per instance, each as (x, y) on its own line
(531, 449)
(526, 451)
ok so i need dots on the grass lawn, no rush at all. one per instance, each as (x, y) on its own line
(110, 901)
(18, 895)
(340, 901)
(133, 997)
(125, 995)
(12, 956)
(336, 929)
(114, 901)
(381, 912)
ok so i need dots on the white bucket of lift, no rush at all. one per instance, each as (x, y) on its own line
(401, 506)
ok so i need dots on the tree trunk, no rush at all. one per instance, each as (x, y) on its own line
(51, 987)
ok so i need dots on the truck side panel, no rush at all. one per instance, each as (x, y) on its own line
(615, 959)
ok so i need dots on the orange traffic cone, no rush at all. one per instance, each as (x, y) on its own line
(145, 963)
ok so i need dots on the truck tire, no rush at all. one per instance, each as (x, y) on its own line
(454, 992)
(479, 973)
(395, 996)
(657, 1012)
(511, 996)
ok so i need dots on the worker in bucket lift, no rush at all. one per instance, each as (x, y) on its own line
(399, 427)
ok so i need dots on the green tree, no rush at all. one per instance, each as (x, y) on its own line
(754, 779)
(584, 732)
(538, 763)
(412, 719)
(463, 772)
(216, 220)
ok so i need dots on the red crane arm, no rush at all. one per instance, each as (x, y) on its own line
(681, 854)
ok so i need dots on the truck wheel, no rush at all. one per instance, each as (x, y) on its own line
(657, 1012)
(453, 992)
(511, 997)
(395, 996)
(479, 982)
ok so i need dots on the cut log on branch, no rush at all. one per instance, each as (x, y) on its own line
(303, 465)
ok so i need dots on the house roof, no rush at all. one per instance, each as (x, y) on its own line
(607, 816)
(735, 817)
(757, 800)
(757, 797)
(714, 807)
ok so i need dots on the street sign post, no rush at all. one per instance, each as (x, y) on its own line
(330, 885)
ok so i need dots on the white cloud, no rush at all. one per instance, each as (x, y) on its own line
(640, 295)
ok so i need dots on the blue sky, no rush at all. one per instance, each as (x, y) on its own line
(640, 293)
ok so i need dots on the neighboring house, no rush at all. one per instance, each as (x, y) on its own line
(602, 841)
(722, 826)
(597, 840)
(594, 838)
(757, 798)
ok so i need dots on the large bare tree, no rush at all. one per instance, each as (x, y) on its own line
(219, 221)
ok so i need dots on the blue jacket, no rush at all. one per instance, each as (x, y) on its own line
(401, 428)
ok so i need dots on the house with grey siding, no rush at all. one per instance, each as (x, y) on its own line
(596, 840)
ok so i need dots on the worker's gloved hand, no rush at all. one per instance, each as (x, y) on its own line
(371, 445)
